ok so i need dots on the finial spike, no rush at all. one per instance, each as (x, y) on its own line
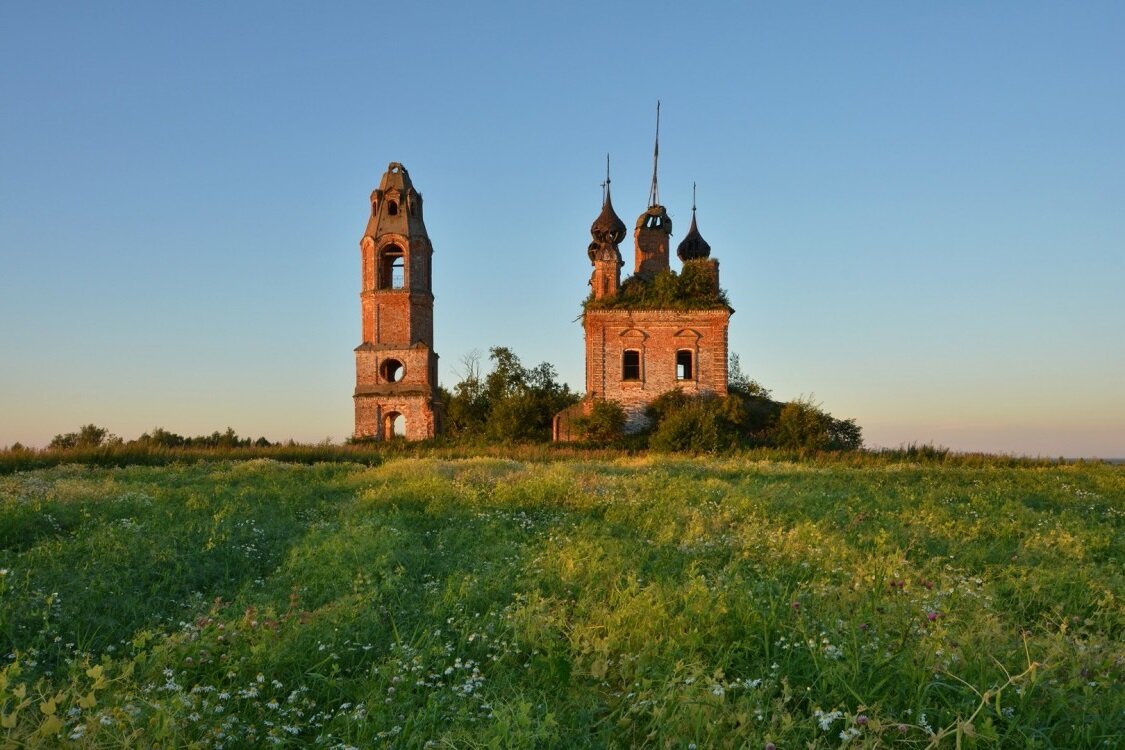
(654, 193)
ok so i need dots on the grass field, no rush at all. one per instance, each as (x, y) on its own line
(613, 602)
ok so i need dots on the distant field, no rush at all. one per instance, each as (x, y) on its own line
(615, 602)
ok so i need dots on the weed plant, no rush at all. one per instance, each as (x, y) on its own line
(616, 601)
(694, 288)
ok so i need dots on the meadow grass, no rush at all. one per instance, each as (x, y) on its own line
(606, 601)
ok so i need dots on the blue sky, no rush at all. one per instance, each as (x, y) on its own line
(917, 209)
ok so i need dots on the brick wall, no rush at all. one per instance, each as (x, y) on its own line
(372, 412)
(657, 335)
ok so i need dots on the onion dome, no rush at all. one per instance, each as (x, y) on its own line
(607, 230)
(608, 227)
(693, 246)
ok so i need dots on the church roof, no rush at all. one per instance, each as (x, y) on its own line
(396, 177)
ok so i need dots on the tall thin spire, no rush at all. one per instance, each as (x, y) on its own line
(605, 185)
(654, 193)
(693, 199)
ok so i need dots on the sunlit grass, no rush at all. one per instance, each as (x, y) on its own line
(620, 601)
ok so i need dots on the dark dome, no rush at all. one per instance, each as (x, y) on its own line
(693, 246)
(608, 227)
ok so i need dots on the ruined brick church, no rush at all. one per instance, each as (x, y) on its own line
(656, 331)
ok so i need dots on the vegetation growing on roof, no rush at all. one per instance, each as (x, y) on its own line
(694, 288)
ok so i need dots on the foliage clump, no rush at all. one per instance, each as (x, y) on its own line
(510, 404)
(803, 425)
(694, 288)
(88, 436)
(604, 425)
(707, 423)
(747, 417)
(228, 439)
(92, 436)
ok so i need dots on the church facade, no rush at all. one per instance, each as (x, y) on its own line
(396, 368)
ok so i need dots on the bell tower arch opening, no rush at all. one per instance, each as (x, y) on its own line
(392, 267)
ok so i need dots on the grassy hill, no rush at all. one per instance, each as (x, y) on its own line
(610, 602)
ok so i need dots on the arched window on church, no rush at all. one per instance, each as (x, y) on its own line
(631, 365)
(684, 369)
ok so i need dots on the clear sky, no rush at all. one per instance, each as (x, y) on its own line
(919, 209)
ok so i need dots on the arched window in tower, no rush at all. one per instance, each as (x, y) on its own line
(631, 365)
(683, 365)
(392, 271)
(394, 425)
(392, 208)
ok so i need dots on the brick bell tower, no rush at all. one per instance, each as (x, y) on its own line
(395, 366)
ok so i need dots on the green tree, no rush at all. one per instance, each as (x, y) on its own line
(88, 436)
(739, 382)
(466, 406)
(511, 403)
(162, 438)
(804, 425)
(801, 426)
(703, 424)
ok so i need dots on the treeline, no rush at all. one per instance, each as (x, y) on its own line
(97, 446)
(135, 453)
(93, 436)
